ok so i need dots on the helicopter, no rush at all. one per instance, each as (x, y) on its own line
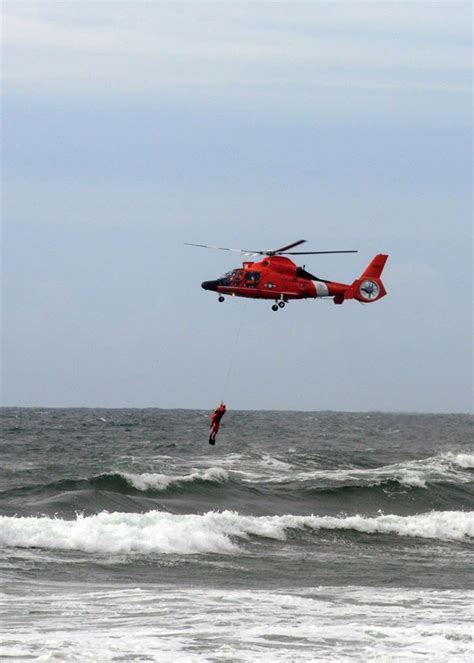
(278, 278)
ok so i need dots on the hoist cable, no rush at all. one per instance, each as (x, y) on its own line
(234, 348)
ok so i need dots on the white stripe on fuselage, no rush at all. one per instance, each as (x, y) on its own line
(321, 289)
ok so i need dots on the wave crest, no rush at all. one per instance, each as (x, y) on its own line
(444, 468)
(151, 481)
(466, 461)
(211, 532)
(270, 475)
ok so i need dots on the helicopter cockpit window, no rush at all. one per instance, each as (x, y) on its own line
(230, 278)
(226, 278)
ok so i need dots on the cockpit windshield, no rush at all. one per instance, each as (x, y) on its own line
(230, 278)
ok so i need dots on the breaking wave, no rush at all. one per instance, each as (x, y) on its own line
(463, 460)
(122, 482)
(444, 468)
(211, 532)
(159, 482)
(276, 476)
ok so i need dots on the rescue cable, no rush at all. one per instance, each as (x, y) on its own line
(234, 350)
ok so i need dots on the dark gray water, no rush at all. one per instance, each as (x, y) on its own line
(299, 537)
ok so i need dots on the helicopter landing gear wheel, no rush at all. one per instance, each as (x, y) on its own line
(275, 307)
(281, 304)
(221, 298)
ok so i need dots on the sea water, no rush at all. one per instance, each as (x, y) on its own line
(307, 536)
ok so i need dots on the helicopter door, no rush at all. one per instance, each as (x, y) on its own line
(252, 279)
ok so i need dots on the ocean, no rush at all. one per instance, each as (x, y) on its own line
(301, 536)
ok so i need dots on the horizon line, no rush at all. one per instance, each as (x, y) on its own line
(206, 409)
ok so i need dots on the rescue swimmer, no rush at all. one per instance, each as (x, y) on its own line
(216, 417)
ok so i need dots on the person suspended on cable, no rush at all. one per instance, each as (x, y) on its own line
(216, 417)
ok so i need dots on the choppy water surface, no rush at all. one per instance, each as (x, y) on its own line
(299, 537)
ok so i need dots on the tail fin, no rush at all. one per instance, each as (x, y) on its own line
(375, 267)
(368, 287)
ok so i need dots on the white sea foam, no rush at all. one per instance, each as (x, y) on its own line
(152, 481)
(272, 462)
(463, 460)
(211, 532)
(448, 467)
(192, 625)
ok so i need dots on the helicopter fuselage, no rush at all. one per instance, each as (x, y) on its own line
(280, 279)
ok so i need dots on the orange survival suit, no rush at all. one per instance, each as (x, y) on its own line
(216, 417)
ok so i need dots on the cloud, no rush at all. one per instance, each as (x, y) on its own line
(264, 47)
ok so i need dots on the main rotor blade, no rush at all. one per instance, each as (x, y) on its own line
(312, 253)
(224, 248)
(281, 251)
(289, 246)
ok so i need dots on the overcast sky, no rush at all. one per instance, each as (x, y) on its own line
(130, 128)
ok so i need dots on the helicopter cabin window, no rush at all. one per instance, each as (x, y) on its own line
(252, 278)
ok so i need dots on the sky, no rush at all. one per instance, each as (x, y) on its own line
(130, 128)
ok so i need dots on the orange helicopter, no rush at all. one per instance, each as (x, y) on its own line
(279, 278)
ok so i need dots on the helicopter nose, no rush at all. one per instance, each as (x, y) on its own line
(209, 285)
